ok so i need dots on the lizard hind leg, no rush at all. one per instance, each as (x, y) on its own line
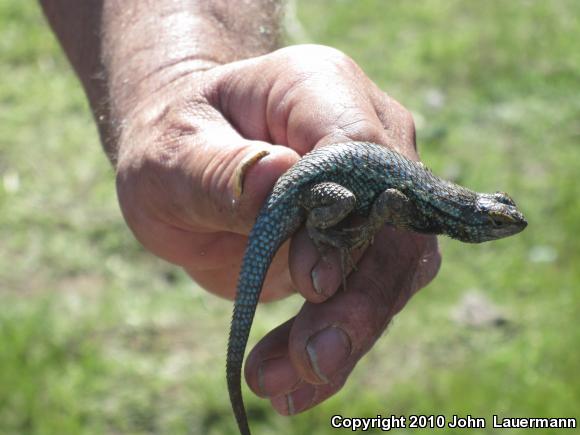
(391, 207)
(328, 204)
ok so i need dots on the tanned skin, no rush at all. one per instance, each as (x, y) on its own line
(200, 115)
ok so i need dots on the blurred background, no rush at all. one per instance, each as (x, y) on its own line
(98, 336)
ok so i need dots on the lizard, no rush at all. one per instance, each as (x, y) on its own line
(330, 184)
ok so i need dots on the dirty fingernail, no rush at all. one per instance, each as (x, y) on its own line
(328, 351)
(316, 280)
(295, 402)
(325, 278)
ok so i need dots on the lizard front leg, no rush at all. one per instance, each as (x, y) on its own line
(391, 207)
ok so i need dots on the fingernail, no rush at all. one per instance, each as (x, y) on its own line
(324, 277)
(316, 280)
(328, 350)
(241, 170)
(297, 401)
(290, 404)
(300, 399)
(276, 376)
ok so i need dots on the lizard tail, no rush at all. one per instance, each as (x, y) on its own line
(269, 232)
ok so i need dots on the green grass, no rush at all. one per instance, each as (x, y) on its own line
(97, 336)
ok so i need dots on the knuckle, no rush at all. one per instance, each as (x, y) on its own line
(405, 115)
(329, 53)
(361, 128)
(318, 50)
(398, 123)
(387, 105)
(408, 121)
(316, 54)
(405, 121)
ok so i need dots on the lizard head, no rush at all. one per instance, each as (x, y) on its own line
(492, 216)
(463, 214)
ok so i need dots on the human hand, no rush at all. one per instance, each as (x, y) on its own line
(187, 149)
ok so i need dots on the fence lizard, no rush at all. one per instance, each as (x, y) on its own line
(355, 179)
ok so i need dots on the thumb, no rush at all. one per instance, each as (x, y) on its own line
(234, 177)
(193, 174)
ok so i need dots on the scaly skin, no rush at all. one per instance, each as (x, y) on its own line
(355, 179)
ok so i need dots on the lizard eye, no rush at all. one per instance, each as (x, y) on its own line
(500, 219)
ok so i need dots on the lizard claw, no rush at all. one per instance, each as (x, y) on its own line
(346, 264)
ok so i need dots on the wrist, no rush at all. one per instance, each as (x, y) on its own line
(125, 51)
